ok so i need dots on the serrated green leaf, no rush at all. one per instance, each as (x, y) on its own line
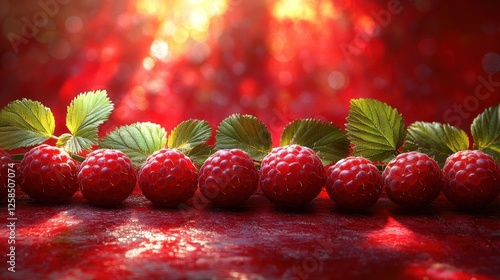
(376, 129)
(189, 134)
(244, 132)
(327, 140)
(436, 140)
(485, 131)
(74, 144)
(85, 114)
(137, 141)
(200, 153)
(25, 123)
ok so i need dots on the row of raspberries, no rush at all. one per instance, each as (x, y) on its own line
(290, 176)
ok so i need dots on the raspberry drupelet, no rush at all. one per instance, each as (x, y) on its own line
(292, 175)
(48, 174)
(228, 177)
(471, 179)
(412, 180)
(168, 178)
(354, 183)
(106, 177)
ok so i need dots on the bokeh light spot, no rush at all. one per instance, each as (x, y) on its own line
(368, 26)
(139, 98)
(159, 50)
(199, 52)
(219, 98)
(294, 9)
(59, 48)
(336, 80)
(198, 20)
(491, 63)
(282, 49)
(148, 63)
(73, 24)
(180, 35)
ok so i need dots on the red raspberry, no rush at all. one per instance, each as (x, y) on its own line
(292, 175)
(48, 174)
(354, 183)
(228, 177)
(106, 177)
(5, 161)
(412, 180)
(168, 178)
(471, 179)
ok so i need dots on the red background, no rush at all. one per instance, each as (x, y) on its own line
(277, 60)
(167, 61)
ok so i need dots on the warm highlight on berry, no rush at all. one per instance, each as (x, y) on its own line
(228, 177)
(48, 174)
(106, 177)
(292, 175)
(412, 179)
(354, 183)
(471, 179)
(168, 178)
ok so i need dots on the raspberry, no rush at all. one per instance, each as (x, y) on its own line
(48, 174)
(412, 180)
(5, 160)
(292, 175)
(471, 179)
(228, 177)
(168, 178)
(106, 177)
(354, 183)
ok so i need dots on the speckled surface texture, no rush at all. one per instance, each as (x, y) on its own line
(257, 241)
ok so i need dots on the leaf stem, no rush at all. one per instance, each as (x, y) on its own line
(17, 157)
(77, 157)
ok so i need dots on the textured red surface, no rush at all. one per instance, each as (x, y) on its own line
(258, 241)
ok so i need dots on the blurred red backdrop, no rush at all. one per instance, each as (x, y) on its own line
(167, 61)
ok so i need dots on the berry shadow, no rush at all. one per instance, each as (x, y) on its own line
(295, 209)
(465, 238)
(242, 208)
(370, 212)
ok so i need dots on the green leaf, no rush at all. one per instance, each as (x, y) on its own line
(25, 123)
(188, 135)
(244, 132)
(485, 131)
(436, 140)
(376, 129)
(137, 141)
(200, 153)
(327, 140)
(85, 114)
